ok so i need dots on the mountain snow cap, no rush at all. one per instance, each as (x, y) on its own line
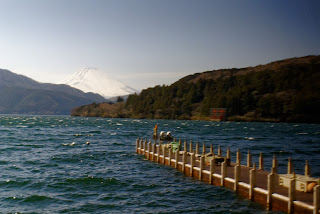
(92, 80)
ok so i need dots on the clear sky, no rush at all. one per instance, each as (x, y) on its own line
(144, 43)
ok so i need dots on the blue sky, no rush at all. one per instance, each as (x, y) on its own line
(144, 43)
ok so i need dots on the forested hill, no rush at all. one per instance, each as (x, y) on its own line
(286, 90)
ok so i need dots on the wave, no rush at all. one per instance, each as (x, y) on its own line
(14, 184)
(81, 135)
(37, 198)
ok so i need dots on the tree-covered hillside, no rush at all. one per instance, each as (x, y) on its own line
(287, 90)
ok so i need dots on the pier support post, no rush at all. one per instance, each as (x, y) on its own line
(170, 156)
(203, 149)
(185, 146)
(228, 153)
(154, 149)
(236, 177)
(261, 162)
(219, 151)
(307, 169)
(201, 167)
(197, 148)
(149, 150)
(290, 166)
(316, 199)
(177, 159)
(253, 173)
(159, 151)
(191, 147)
(270, 189)
(238, 162)
(137, 145)
(291, 192)
(249, 159)
(141, 146)
(275, 164)
(145, 147)
(184, 159)
(212, 169)
(223, 172)
(192, 164)
(211, 150)
(163, 154)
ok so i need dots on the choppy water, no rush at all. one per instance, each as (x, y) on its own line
(46, 167)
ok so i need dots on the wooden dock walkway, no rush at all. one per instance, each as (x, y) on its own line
(249, 181)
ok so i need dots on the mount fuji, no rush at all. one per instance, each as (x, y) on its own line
(92, 80)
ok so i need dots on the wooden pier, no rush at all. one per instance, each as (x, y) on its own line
(274, 191)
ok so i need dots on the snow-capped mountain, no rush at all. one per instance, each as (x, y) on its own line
(92, 80)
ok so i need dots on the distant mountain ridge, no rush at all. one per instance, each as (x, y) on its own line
(283, 91)
(93, 80)
(22, 95)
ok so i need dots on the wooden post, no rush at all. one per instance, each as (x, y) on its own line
(149, 150)
(223, 172)
(261, 162)
(236, 177)
(219, 151)
(238, 157)
(137, 145)
(291, 192)
(192, 164)
(316, 199)
(159, 151)
(290, 166)
(163, 154)
(197, 148)
(177, 159)
(154, 149)
(170, 156)
(185, 146)
(141, 146)
(249, 162)
(191, 147)
(211, 150)
(253, 173)
(203, 149)
(275, 164)
(184, 160)
(201, 167)
(228, 153)
(212, 169)
(270, 188)
(238, 162)
(145, 147)
(307, 169)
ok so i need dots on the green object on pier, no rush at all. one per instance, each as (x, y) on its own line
(175, 146)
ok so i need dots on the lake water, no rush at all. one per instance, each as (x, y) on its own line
(46, 166)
